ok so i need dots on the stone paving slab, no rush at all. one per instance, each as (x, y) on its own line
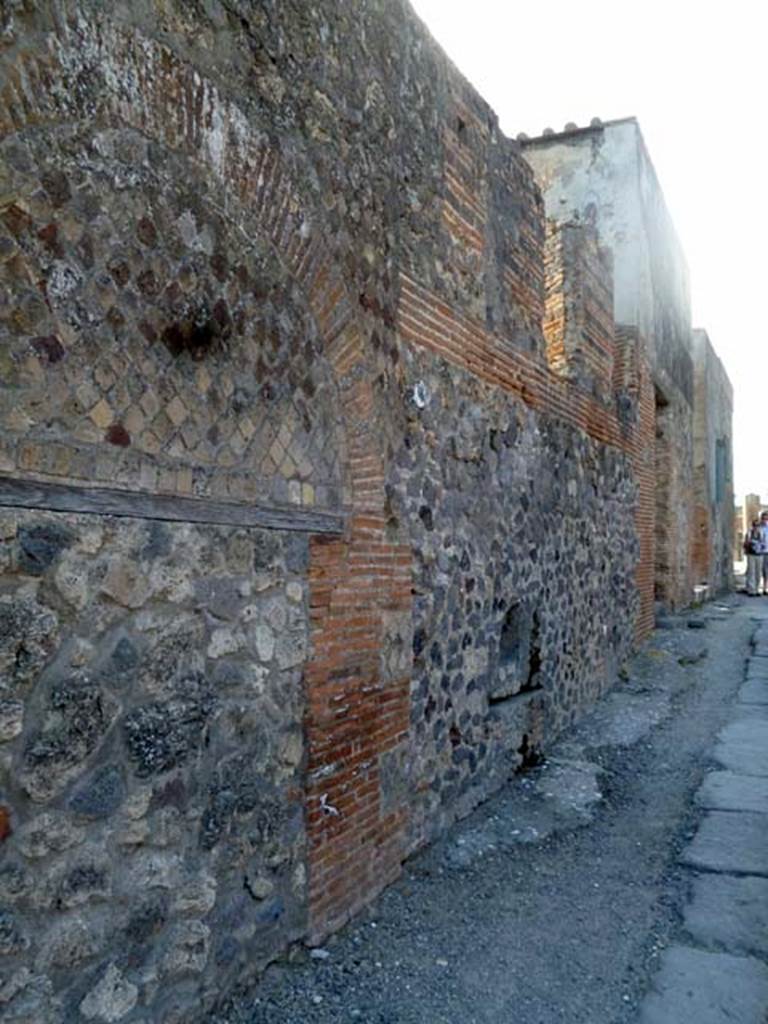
(729, 912)
(727, 791)
(730, 841)
(695, 987)
(754, 691)
(751, 713)
(741, 757)
(743, 747)
(757, 668)
(741, 731)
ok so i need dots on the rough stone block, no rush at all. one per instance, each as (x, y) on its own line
(11, 719)
(71, 942)
(111, 999)
(28, 635)
(13, 938)
(159, 736)
(101, 795)
(48, 833)
(40, 545)
(79, 715)
(188, 948)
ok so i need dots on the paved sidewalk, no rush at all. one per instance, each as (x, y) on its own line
(718, 973)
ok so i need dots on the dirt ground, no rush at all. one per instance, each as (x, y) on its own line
(555, 900)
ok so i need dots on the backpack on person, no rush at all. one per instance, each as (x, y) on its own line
(753, 543)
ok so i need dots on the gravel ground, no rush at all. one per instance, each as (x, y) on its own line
(553, 901)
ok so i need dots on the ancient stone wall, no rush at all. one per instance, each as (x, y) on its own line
(739, 530)
(602, 175)
(524, 600)
(674, 510)
(578, 319)
(173, 327)
(151, 712)
(713, 469)
(308, 542)
(636, 405)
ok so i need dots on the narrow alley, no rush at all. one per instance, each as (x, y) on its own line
(624, 879)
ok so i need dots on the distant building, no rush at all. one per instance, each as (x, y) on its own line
(752, 508)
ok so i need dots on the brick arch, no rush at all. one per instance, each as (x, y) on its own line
(357, 693)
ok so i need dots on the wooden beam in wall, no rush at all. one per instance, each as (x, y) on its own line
(53, 497)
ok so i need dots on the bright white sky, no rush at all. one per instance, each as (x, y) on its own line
(694, 74)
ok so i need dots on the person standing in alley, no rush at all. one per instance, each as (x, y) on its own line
(754, 550)
(764, 536)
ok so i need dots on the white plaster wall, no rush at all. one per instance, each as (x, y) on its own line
(606, 175)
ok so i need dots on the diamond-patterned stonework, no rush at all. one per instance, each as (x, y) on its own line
(152, 343)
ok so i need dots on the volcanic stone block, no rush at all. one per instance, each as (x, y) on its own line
(161, 736)
(100, 795)
(79, 715)
(28, 634)
(40, 546)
